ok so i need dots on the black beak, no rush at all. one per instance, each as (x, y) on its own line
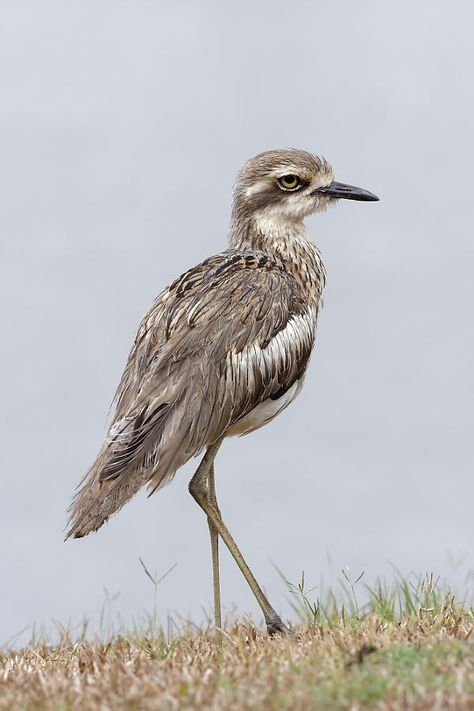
(341, 190)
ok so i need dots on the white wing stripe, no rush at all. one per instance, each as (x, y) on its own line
(282, 352)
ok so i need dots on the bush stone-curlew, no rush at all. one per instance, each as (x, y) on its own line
(222, 351)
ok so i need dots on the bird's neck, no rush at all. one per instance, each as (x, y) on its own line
(284, 239)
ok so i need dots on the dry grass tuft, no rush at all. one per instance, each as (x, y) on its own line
(419, 657)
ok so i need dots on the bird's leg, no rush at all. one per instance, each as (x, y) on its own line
(200, 491)
(215, 555)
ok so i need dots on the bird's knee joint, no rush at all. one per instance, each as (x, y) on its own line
(197, 490)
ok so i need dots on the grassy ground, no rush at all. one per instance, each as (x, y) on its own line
(412, 648)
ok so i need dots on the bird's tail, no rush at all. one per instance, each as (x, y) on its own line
(122, 467)
(97, 499)
(146, 445)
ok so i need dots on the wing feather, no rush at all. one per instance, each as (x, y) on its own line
(225, 336)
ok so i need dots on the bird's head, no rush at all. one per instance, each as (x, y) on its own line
(287, 185)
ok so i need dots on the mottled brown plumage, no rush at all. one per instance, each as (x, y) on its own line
(224, 348)
(177, 393)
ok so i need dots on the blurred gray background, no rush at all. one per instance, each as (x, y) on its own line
(122, 126)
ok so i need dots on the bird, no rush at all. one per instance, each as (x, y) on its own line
(222, 351)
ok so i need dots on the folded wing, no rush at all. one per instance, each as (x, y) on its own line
(223, 338)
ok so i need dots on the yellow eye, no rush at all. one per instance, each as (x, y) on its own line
(289, 182)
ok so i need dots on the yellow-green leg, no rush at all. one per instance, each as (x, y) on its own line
(215, 557)
(200, 489)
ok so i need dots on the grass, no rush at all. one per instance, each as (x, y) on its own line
(410, 647)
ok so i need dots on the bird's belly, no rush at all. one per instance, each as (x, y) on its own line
(263, 413)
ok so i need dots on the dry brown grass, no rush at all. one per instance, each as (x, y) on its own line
(421, 658)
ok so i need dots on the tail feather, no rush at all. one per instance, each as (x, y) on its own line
(147, 445)
(97, 500)
(121, 468)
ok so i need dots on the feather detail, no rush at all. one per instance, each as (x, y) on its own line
(225, 337)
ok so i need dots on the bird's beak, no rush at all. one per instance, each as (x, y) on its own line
(341, 190)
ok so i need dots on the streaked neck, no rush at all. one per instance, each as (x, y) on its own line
(285, 239)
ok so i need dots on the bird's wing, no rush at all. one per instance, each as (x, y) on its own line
(224, 337)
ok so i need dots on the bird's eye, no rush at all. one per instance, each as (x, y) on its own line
(289, 182)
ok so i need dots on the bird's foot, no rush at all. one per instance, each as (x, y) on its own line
(276, 626)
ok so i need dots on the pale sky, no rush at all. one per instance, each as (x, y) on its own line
(122, 126)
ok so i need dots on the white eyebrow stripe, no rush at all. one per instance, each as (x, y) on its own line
(263, 183)
(258, 187)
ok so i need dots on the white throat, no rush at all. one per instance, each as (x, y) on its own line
(274, 225)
